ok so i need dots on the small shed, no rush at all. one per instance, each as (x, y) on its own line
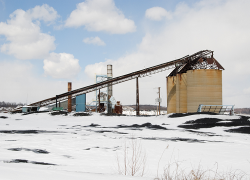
(81, 103)
(27, 109)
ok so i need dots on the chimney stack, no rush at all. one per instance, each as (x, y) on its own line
(110, 89)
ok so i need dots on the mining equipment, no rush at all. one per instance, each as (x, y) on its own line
(118, 108)
(193, 83)
(196, 79)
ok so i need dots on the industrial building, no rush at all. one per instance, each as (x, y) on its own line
(193, 83)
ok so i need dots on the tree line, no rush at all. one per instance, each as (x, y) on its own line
(10, 104)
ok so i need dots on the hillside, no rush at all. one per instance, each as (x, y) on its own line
(148, 107)
(242, 110)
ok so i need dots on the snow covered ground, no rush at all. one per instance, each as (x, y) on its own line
(42, 146)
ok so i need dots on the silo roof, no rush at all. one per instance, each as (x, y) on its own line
(198, 63)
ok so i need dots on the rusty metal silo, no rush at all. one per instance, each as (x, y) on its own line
(171, 94)
(181, 93)
(204, 87)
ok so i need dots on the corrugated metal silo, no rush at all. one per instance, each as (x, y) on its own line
(171, 94)
(181, 93)
(204, 87)
(198, 81)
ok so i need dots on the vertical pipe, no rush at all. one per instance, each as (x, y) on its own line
(96, 95)
(167, 92)
(159, 100)
(110, 89)
(137, 98)
(99, 96)
(69, 98)
(56, 100)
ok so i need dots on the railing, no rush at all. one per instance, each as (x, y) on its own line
(219, 109)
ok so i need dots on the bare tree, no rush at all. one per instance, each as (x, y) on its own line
(9, 104)
(132, 159)
(174, 171)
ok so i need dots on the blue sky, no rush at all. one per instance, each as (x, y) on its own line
(69, 40)
(53, 42)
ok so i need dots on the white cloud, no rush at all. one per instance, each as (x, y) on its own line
(223, 27)
(44, 12)
(97, 68)
(94, 40)
(3, 4)
(157, 14)
(24, 37)
(100, 15)
(21, 83)
(61, 65)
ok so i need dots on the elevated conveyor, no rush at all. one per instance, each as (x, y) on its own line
(141, 73)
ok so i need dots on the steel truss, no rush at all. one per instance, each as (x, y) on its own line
(197, 63)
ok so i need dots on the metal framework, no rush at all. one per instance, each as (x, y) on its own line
(197, 63)
(220, 109)
(100, 78)
(137, 74)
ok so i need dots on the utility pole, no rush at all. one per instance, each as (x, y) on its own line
(159, 91)
(69, 97)
(99, 96)
(137, 98)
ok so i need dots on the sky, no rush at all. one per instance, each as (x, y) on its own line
(46, 44)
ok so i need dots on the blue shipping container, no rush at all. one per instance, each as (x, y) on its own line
(81, 103)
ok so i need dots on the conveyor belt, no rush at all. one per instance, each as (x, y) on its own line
(141, 73)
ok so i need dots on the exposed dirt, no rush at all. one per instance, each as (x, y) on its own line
(200, 123)
(215, 122)
(82, 114)
(133, 127)
(80, 126)
(176, 139)
(92, 125)
(203, 133)
(112, 114)
(38, 151)
(175, 115)
(26, 161)
(147, 125)
(27, 131)
(3, 117)
(244, 130)
(59, 113)
(107, 131)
